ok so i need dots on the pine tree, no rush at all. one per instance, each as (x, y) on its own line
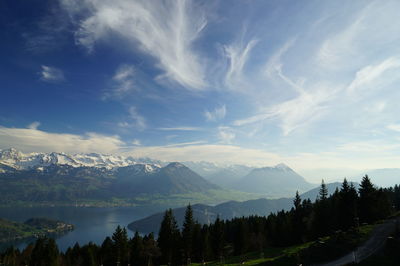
(187, 233)
(367, 204)
(218, 241)
(45, 253)
(169, 239)
(120, 247)
(136, 250)
(321, 220)
(150, 249)
(323, 192)
(347, 207)
(107, 252)
(298, 223)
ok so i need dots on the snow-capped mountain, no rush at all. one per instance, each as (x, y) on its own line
(14, 159)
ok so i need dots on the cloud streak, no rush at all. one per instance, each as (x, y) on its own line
(237, 55)
(51, 74)
(166, 30)
(371, 73)
(123, 82)
(218, 113)
(35, 140)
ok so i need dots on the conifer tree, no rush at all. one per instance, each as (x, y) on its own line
(298, 223)
(45, 253)
(187, 233)
(218, 241)
(169, 239)
(347, 207)
(136, 250)
(150, 249)
(120, 245)
(367, 200)
(323, 192)
(321, 221)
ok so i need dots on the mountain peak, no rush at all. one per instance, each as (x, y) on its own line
(175, 165)
(10, 153)
(282, 166)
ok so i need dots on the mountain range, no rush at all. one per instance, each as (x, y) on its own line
(106, 174)
(58, 177)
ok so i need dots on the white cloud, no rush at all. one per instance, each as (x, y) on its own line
(237, 54)
(165, 30)
(395, 127)
(34, 125)
(51, 74)
(207, 152)
(180, 128)
(217, 114)
(133, 121)
(370, 32)
(274, 64)
(123, 82)
(297, 112)
(136, 142)
(372, 73)
(138, 120)
(226, 135)
(34, 140)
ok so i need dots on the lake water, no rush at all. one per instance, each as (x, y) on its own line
(91, 224)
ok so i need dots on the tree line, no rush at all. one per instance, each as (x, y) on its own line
(344, 210)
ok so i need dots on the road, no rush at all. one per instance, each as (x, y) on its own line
(372, 245)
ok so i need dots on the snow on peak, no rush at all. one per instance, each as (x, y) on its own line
(23, 161)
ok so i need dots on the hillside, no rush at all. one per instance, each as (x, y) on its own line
(205, 214)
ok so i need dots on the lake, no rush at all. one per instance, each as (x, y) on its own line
(91, 223)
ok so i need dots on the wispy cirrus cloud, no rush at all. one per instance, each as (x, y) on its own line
(51, 74)
(166, 30)
(370, 26)
(237, 55)
(134, 120)
(217, 114)
(295, 113)
(372, 74)
(123, 82)
(226, 135)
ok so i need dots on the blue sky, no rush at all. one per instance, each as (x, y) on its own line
(313, 84)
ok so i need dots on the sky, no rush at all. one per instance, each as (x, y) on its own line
(313, 84)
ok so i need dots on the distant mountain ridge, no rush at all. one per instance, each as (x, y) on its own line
(277, 181)
(205, 214)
